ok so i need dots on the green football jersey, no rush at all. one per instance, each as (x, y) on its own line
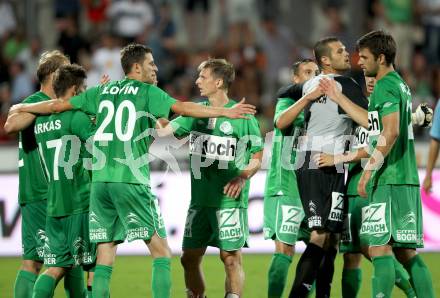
(281, 178)
(391, 94)
(61, 142)
(219, 149)
(126, 112)
(32, 181)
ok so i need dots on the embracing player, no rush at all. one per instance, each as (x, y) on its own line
(122, 205)
(224, 155)
(283, 211)
(61, 141)
(393, 219)
(32, 193)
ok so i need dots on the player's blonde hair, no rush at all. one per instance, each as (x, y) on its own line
(49, 62)
(221, 69)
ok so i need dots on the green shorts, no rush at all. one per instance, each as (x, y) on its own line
(68, 241)
(282, 218)
(394, 215)
(225, 228)
(120, 211)
(33, 227)
(351, 239)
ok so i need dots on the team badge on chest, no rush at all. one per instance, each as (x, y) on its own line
(226, 127)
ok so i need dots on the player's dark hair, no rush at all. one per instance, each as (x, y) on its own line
(379, 43)
(322, 49)
(220, 69)
(133, 53)
(49, 62)
(66, 77)
(297, 64)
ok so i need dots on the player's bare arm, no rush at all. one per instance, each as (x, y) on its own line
(233, 188)
(18, 121)
(421, 117)
(200, 111)
(385, 142)
(43, 108)
(434, 148)
(358, 114)
(289, 115)
(327, 160)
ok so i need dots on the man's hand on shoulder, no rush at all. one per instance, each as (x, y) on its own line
(240, 110)
(330, 88)
(315, 94)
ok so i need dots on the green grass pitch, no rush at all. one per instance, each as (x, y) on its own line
(131, 276)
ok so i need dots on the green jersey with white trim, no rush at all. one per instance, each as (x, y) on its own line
(61, 142)
(219, 149)
(126, 113)
(281, 178)
(32, 180)
(391, 94)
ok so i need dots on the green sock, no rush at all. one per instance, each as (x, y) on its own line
(384, 276)
(74, 283)
(402, 280)
(278, 270)
(24, 284)
(161, 278)
(101, 281)
(44, 286)
(351, 282)
(421, 277)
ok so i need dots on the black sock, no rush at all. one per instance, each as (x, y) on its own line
(306, 271)
(325, 274)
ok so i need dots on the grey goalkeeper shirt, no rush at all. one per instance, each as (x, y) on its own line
(328, 128)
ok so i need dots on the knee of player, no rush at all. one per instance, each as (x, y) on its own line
(188, 260)
(31, 266)
(352, 260)
(231, 260)
(56, 272)
(404, 255)
(377, 251)
(167, 253)
(285, 249)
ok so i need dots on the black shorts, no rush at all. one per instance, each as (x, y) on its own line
(322, 196)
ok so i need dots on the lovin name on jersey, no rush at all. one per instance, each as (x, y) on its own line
(126, 89)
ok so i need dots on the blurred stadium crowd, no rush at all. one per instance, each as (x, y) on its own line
(262, 38)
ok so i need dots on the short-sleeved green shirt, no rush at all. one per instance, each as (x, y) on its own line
(391, 94)
(281, 178)
(32, 180)
(219, 149)
(61, 142)
(126, 112)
